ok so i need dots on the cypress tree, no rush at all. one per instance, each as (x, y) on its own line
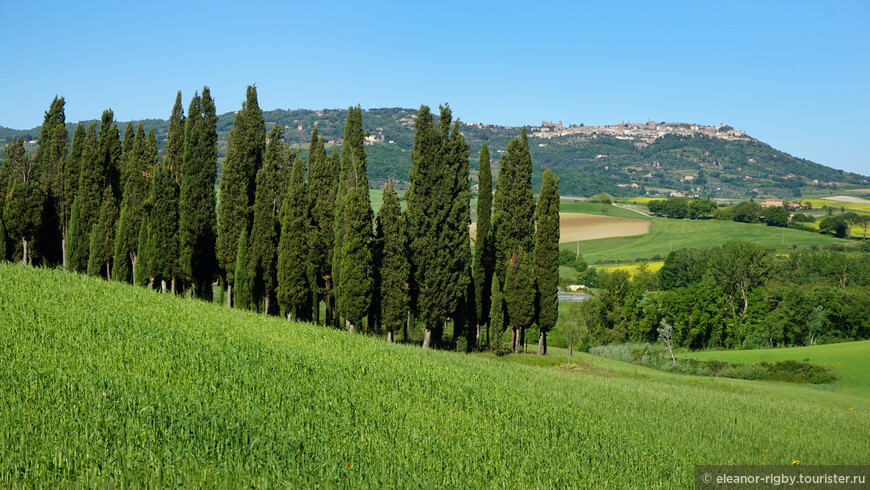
(48, 162)
(322, 186)
(513, 232)
(355, 217)
(353, 233)
(164, 234)
(102, 244)
(24, 198)
(71, 174)
(394, 266)
(197, 220)
(438, 217)
(132, 209)
(55, 250)
(426, 197)
(243, 284)
(293, 248)
(456, 234)
(483, 249)
(88, 198)
(263, 253)
(244, 156)
(547, 257)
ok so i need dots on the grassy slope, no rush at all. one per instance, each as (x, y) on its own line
(105, 383)
(670, 234)
(850, 360)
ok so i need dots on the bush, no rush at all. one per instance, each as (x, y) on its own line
(802, 218)
(744, 371)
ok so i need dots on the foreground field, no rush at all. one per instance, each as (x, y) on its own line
(106, 384)
(850, 360)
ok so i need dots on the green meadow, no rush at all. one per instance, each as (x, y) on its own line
(104, 384)
(850, 360)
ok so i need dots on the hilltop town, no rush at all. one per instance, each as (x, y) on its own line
(641, 133)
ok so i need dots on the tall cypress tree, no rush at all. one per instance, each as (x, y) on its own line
(547, 257)
(197, 220)
(322, 186)
(102, 244)
(87, 201)
(353, 233)
(72, 168)
(293, 252)
(245, 147)
(456, 234)
(438, 218)
(483, 248)
(395, 269)
(24, 198)
(48, 171)
(357, 216)
(513, 232)
(165, 262)
(263, 252)
(132, 208)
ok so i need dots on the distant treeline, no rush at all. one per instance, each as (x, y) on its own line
(283, 234)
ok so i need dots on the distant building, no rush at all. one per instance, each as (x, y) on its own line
(771, 203)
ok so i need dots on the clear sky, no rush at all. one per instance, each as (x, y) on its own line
(793, 74)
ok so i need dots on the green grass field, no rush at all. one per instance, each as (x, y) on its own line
(103, 384)
(851, 361)
(672, 234)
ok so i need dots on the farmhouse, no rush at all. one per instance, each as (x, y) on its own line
(771, 203)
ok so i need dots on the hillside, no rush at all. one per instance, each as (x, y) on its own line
(624, 159)
(103, 384)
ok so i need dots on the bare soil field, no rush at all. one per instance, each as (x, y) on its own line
(582, 226)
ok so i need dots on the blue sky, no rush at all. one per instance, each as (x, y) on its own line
(793, 74)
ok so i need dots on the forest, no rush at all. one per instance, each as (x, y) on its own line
(292, 234)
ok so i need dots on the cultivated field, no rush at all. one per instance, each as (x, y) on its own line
(104, 384)
(579, 226)
(582, 226)
(672, 234)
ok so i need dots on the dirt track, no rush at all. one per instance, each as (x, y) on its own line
(581, 226)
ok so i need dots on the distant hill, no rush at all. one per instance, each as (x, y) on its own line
(622, 159)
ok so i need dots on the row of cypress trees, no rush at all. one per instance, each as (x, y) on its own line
(288, 232)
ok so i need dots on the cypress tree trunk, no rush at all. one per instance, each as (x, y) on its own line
(427, 337)
(477, 336)
(24, 257)
(173, 285)
(108, 271)
(266, 307)
(390, 336)
(229, 295)
(133, 263)
(163, 286)
(348, 325)
(62, 247)
(407, 327)
(542, 343)
(514, 340)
